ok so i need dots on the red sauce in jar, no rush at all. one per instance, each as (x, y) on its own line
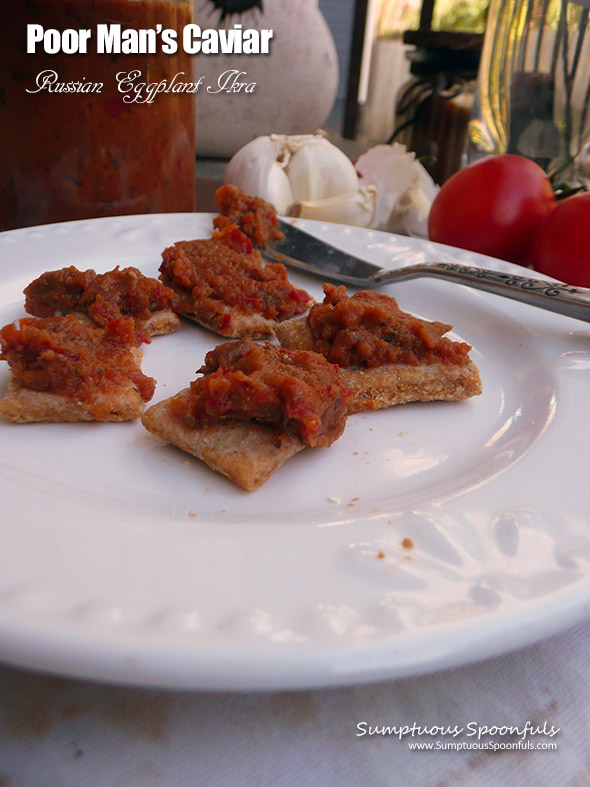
(73, 155)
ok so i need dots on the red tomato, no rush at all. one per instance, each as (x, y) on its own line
(562, 244)
(493, 206)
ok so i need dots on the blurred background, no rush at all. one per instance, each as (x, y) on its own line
(405, 71)
(378, 63)
(393, 55)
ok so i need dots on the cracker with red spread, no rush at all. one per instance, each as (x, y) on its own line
(255, 406)
(385, 356)
(223, 284)
(255, 217)
(64, 370)
(102, 298)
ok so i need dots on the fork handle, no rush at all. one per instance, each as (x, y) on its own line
(554, 296)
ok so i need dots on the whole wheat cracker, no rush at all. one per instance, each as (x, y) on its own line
(202, 294)
(243, 326)
(22, 404)
(160, 323)
(391, 384)
(26, 405)
(246, 452)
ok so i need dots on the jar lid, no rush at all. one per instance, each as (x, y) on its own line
(438, 51)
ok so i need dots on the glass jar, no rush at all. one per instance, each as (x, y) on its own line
(534, 84)
(434, 107)
(76, 154)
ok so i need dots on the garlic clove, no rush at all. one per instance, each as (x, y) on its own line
(255, 168)
(317, 169)
(391, 171)
(410, 215)
(406, 190)
(357, 208)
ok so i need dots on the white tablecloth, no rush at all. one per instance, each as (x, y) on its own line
(56, 732)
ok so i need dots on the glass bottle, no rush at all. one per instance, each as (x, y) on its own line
(71, 154)
(533, 95)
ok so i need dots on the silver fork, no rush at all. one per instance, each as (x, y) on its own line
(301, 250)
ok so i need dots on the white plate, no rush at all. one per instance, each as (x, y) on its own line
(126, 560)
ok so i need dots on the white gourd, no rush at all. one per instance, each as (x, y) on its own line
(296, 83)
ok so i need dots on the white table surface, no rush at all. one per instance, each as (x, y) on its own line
(56, 732)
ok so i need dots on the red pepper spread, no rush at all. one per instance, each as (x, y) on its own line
(103, 296)
(62, 355)
(297, 390)
(369, 329)
(224, 271)
(256, 218)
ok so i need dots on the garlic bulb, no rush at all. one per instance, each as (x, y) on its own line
(316, 168)
(406, 190)
(255, 168)
(302, 169)
(354, 207)
(305, 175)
